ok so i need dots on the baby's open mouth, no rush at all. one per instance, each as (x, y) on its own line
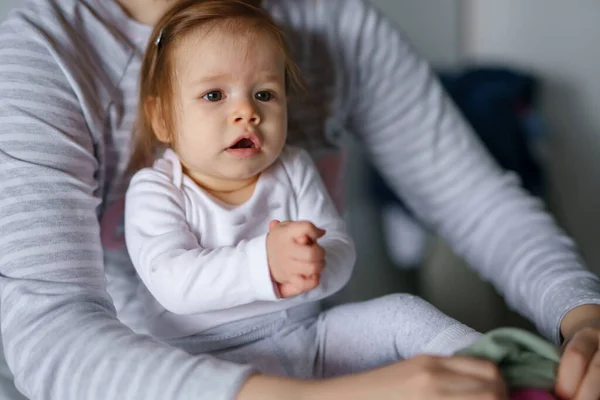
(244, 143)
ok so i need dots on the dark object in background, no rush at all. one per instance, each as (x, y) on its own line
(499, 103)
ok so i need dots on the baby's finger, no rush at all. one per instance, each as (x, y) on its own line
(313, 281)
(304, 240)
(307, 228)
(307, 268)
(273, 224)
(297, 281)
(304, 284)
(288, 290)
(308, 253)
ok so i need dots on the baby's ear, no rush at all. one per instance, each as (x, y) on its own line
(155, 114)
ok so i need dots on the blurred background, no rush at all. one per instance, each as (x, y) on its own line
(533, 69)
(536, 56)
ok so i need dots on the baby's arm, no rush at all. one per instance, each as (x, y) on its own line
(184, 277)
(315, 205)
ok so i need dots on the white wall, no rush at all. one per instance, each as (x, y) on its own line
(558, 40)
(432, 26)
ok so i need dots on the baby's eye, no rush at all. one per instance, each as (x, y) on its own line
(263, 96)
(215, 95)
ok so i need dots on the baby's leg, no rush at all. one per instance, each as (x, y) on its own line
(282, 343)
(360, 336)
(291, 351)
(260, 351)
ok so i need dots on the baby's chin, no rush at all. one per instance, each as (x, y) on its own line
(247, 168)
(242, 175)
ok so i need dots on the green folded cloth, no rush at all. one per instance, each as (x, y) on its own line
(524, 359)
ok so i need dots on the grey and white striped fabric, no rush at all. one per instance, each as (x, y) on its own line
(68, 75)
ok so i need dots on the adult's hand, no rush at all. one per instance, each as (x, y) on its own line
(422, 377)
(579, 369)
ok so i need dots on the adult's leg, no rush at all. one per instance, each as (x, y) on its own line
(8, 391)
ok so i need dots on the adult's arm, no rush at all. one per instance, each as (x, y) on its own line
(61, 337)
(429, 155)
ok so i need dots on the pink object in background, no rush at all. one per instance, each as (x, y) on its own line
(332, 168)
(113, 239)
(531, 394)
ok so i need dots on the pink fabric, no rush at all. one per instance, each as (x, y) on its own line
(531, 394)
(111, 236)
(332, 168)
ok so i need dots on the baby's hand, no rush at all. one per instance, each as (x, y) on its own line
(289, 290)
(295, 258)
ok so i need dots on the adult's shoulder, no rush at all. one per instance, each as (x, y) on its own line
(78, 35)
(328, 13)
(36, 18)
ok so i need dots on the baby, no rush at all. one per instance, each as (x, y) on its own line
(231, 231)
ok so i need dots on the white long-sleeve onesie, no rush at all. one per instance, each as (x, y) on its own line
(204, 262)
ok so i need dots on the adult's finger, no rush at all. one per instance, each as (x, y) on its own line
(460, 386)
(462, 377)
(475, 367)
(574, 362)
(589, 388)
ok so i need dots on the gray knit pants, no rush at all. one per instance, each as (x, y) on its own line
(304, 343)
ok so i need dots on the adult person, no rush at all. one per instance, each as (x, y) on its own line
(68, 79)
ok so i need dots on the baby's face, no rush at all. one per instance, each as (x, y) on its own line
(230, 105)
